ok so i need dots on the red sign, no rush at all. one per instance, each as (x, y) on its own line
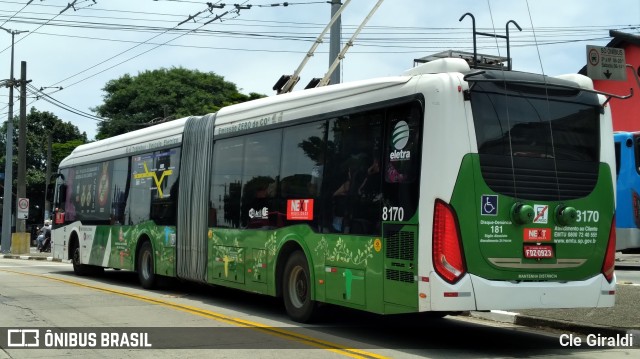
(59, 219)
(537, 234)
(300, 209)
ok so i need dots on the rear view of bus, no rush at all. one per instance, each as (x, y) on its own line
(530, 222)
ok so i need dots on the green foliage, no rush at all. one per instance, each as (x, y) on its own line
(64, 136)
(132, 102)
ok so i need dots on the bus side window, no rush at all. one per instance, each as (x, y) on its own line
(164, 190)
(302, 171)
(119, 189)
(226, 182)
(259, 208)
(402, 158)
(138, 205)
(352, 190)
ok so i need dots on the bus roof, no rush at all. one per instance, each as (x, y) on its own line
(259, 112)
(299, 104)
(150, 138)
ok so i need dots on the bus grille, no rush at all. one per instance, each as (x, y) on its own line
(399, 276)
(539, 178)
(400, 245)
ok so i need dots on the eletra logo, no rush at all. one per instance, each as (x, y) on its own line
(400, 135)
(399, 139)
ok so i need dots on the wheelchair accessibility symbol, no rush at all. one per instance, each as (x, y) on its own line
(489, 206)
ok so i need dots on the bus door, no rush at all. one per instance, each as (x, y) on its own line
(401, 179)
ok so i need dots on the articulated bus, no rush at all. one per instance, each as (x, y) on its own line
(627, 145)
(445, 189)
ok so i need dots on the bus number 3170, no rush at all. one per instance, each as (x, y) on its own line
(588, 216)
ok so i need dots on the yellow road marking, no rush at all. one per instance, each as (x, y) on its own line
(279, 332)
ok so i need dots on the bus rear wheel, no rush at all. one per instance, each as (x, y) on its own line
(297, 288)
(146, 270)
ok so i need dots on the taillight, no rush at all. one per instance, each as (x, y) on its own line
(610, 256)
(448, 259)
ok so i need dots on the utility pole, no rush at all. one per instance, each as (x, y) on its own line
(334, 44)
(22, 149)
(336, 62)
(8, 166)
(47, 204)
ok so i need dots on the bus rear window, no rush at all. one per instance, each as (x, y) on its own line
(537, 127)
(536, 145)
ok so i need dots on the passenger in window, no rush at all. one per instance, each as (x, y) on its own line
(393, 176)
(370, 187)
(345, 196)
(316, 176)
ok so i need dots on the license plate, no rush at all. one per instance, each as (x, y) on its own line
(538, 252)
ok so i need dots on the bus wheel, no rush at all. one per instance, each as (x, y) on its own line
(78, 268)
(145, 266)
(297, 288)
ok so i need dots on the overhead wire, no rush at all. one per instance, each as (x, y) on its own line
(48, 98)
(140, 54)
(31, 32)
(16, 13)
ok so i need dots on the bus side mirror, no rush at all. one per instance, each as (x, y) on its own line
(49, 194)
(51, 189)
(62, 194)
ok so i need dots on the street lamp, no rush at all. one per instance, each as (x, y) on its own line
(8, 166)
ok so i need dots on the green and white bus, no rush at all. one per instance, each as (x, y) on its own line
(444, 189)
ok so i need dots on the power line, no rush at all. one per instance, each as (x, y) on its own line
(112, 57)
(27, 4)
(383, 36)
(27, 35)
(47, 97)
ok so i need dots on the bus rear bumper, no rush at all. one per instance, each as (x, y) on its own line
(476, 293)
(589, 293)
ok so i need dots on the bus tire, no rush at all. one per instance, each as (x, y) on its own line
(146, 270)
(297, 288)
(78, 268)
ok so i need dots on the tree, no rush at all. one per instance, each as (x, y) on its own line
(132, 102)
(65, 137)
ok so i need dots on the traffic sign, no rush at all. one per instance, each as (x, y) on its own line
(23, 208)
(606, 63)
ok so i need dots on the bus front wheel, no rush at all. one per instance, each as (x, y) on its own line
(146, 272)
(297, 288)
(78, 268)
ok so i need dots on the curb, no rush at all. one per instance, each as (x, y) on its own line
(30, 257)
(557, 324)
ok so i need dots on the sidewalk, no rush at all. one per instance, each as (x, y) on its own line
(34, 254)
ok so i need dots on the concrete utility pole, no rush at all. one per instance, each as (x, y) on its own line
(47, 204)
(8, 166)
(335, 38)
(22, 148)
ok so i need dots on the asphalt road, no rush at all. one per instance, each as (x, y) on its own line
(177, 316)
(622, 319)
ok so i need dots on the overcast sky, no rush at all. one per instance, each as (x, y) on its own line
(82, 48)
